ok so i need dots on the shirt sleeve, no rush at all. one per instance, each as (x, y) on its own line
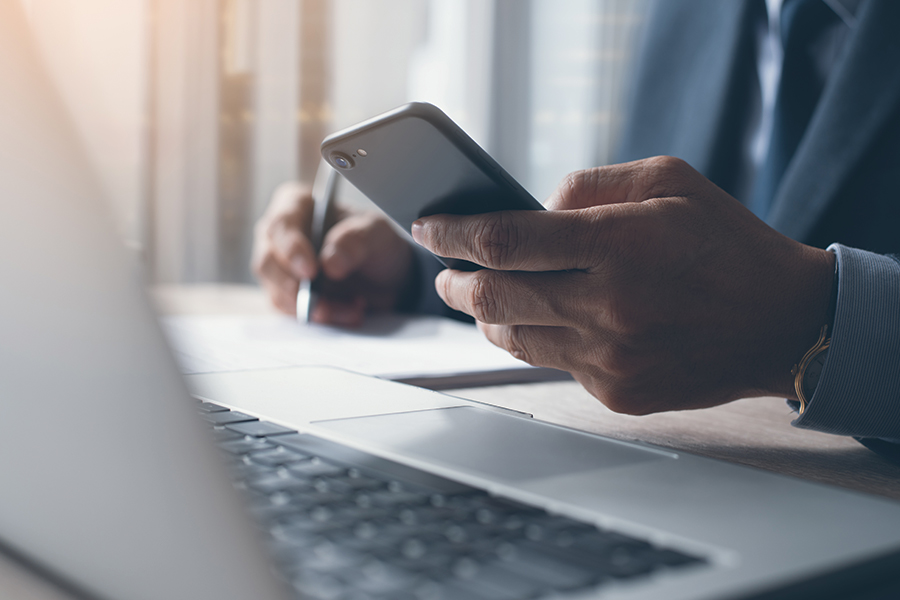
(859, 390)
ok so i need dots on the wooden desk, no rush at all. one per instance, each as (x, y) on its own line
(755, 431)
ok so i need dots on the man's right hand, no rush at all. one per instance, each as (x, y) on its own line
(367, 266)
(651, 285)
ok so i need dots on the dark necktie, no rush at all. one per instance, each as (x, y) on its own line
(802, 23)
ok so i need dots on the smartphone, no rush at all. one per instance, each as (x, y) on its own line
(414, 161)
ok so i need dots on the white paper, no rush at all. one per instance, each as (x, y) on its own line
(391, 347)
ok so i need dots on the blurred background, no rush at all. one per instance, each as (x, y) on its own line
(193, 111)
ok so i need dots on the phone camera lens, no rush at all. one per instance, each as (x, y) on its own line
(342, 161)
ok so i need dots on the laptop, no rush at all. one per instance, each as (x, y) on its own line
(121, 479)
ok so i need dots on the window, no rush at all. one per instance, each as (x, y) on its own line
(193, 111)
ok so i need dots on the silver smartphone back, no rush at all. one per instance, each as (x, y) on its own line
(414, 161)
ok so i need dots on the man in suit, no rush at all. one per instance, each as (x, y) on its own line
(648, 280)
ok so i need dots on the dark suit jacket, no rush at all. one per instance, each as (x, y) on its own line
(692, 84)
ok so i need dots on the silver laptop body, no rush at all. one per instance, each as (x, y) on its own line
(119, 495)
(112, 487)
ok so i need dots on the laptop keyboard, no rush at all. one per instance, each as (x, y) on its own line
(347, 525)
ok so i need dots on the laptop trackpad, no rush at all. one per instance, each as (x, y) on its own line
(490, 443)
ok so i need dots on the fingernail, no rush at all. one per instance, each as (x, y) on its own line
(301, 269)
(417, 227)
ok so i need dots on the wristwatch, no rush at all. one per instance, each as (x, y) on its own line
(808, 371)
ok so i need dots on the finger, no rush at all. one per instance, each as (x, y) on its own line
(345, 247)
(517, 298)
(657, 177)
(292, 249)
(280, 285)
(285, 229)
(555, 347)
(350, 243)
(285, 197)
(522, 240)
(593, 187)
(562, 348)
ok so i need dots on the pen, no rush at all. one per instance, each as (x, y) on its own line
(324, 189)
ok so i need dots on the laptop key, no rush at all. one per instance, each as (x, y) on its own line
(270, 512)
(435, 566)
(290, 543)
(246, 467)
(625, 565)
(495, 577)
(210, 407)
(625, 560)
(396, 498)
(379, 578)
(315, 467)
(477, 589)
(315, 586)
(348, 485)
(327, 558)
(619, 557)
(227, 417)
(622, 563)
(244, 445)
(277, 455)
(673, 558)
(369, 595)
(452, 591)
(259, 428)
(220, 434)
(557, 529)
(271, 483)
(308, 498)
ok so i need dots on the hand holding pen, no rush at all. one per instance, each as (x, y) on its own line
(362, 264)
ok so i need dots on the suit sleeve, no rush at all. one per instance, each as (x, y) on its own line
(859, 391)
